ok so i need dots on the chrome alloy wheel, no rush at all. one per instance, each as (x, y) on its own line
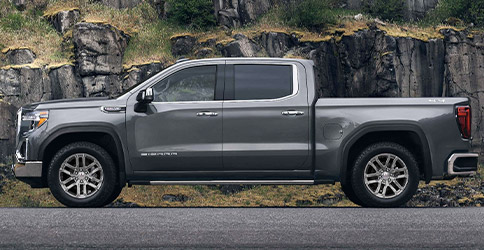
(386, 176)
(81, 175)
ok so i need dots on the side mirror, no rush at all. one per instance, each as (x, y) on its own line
(145, 96)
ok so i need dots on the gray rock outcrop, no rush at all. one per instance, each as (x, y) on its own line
(65, 83)
(121, 4)
(277, 44)
(99, 48)
(64, 20)
(7, 130)
(19, 56)
(141, 73)
(242, 46)
(234, 13)
(182, 44)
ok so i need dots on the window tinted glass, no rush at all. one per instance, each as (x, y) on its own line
(262, 81)
(192, 84)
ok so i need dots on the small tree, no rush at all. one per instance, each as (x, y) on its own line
(197, 14)
(312, 14)
(385, 9)
(469, 11)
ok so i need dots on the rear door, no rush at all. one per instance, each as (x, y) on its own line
(266, 120)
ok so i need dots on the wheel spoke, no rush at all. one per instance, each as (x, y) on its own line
(378, 187)
(85, 188)
(392, 188)
(66, 172)
(372, 175)
(384, 192)
(95, 179)
(398, 185)
(389, 157)
(373, 166)
(78, 187)
(92, 185)
(401, 176)
(379, 162)
(95, 171)
(77, 161)
(67, 180)
(70, 186)
(394, 163)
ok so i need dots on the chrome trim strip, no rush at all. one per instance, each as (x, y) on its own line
(235, 182)
(295, 91)
(453, 158)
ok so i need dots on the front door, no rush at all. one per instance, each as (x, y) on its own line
(182, 129)
(266, 121)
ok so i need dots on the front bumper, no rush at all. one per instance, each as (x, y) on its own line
(29, 169)
(462, 164)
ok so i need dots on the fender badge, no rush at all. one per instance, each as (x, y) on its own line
(113, 109)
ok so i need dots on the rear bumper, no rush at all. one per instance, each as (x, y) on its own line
(462, 164)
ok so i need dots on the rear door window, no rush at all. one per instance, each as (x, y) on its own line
(255, 82)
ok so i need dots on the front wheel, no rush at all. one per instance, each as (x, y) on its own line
(385, 174)
(83, 174)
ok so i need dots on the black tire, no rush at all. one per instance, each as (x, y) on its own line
(109, 187)
(350, 193)
(370, 199)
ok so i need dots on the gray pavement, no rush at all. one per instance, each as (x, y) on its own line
(242, 228)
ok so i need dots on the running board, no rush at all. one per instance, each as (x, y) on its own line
(235, 182)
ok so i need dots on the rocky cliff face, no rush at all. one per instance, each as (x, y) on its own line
(367, 63)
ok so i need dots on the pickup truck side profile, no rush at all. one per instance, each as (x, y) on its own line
(241, 121)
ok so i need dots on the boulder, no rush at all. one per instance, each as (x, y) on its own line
(7, 131)
(99, 48)
(182, 44)
(242, 46)
(204, 53)
(64, 20)
(277, 43)
(121, 4)
(19, 56)
(140, 73)
(250, 10)
(101, 85)
(229, 18)
(234, 13)
(64, 83)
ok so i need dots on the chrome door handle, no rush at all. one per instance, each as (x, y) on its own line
(292, 112)
(207, 114)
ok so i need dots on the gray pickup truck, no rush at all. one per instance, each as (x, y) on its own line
(241, 121)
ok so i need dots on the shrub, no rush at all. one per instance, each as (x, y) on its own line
(197, 14)
(312, 14)
(392, 10)
(469, 11)
(13, 21)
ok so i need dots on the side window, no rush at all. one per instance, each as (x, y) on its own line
(252, 82)
(192, 84)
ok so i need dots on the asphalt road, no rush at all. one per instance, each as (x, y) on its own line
(242, 228)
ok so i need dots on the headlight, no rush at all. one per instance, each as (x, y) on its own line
(36, 118)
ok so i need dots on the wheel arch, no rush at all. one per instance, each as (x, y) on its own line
(409, 132)
(102, 135)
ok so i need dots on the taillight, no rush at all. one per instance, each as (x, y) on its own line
(464, 120)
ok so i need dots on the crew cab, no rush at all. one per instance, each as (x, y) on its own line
(241, 121)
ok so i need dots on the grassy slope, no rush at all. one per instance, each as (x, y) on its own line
(17, 194)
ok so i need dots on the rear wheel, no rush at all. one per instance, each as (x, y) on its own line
(385, 175)
(83, 174)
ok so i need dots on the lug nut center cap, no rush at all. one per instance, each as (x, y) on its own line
(385, 175)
